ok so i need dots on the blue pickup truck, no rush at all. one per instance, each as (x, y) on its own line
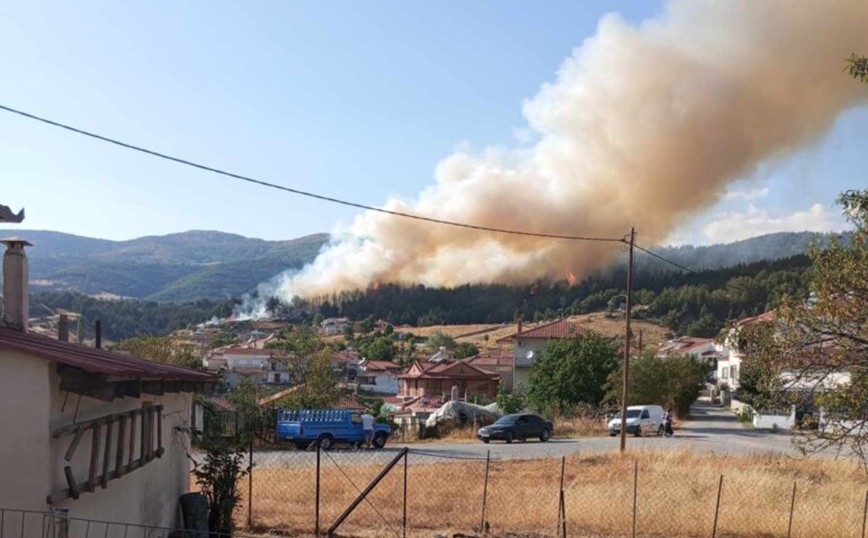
(326, 427)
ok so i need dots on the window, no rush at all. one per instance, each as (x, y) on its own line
(724, 373)
(645, 414)
(735, 372)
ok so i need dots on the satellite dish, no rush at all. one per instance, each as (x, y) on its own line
(529, 354)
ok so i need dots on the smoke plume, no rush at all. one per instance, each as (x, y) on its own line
(643, 126)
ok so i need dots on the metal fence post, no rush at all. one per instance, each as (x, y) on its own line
(562, 508)
(635, 493)
(316, 501)
(250, 485)
(717, 508)
(406, 456)
(792, 507)
(864, 513)
(484, 491)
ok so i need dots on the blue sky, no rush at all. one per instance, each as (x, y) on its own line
(358, 100)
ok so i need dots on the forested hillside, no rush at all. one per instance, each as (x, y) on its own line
(192, 265)
(694, 303)
(171, 268)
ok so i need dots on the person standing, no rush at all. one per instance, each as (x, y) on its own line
(667, 423)
(368, 427)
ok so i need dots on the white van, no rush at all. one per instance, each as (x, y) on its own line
(640, 419)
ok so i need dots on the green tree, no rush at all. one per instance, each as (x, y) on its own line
(572, 371)
(510, 401)
(161, 349)
(381, 348)
(857, 66)
(671, 381)
(822, 344)
(316, 386)
(465, 349)
(297, 341)
(441, 339)
(366, 326)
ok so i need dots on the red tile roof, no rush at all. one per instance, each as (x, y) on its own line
(492, 358)
(449, 370)
(248, 351)
(96, 361)
(683, 345)
(381, 366)
(771, 315)
(556, 329)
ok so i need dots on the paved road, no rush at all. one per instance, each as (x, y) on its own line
(711, 429)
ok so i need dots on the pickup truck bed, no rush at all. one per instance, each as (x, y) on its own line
(326, 427)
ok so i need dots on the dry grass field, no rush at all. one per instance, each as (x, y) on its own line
(676, 496)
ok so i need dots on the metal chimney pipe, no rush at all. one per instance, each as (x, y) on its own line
(16, 299)
(63, 328)
(98, 334)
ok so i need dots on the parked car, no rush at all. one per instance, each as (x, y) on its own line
(326, 427)
(520, 426)
(640, 419)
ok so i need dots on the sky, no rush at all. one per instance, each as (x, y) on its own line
(348, 99)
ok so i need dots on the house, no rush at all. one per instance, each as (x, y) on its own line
(345, 364)
(101, 434)
(262, 366)
(729, 364)
(379, 377)
(495, 361)
(334, 326)
(527, 346)
(705, 349)
(429, 380)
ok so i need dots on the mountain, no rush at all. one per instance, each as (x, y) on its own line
(764, 247)
(206, 264)
(170, 268)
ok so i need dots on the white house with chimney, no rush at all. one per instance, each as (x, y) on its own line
(379, 377)
(100, 434)
(261, 366)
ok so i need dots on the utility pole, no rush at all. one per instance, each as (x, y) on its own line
(625, 367)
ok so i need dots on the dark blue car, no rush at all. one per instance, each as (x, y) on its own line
(521, 426)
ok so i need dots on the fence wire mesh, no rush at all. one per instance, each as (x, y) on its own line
(602, 496)
(35, 524)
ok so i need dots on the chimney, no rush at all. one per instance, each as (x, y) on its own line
(15, 284)
(63, 328)
(519, 326)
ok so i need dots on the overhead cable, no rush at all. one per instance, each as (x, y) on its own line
(321, 197)
(683, 268)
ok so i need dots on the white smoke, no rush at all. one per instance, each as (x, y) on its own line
(643, 126)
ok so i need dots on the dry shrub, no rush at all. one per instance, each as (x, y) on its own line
(676, 495)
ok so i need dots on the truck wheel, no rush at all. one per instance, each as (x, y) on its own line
(326, 442)
(544, 436)
(379, 440)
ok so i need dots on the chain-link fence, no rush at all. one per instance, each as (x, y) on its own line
(423, 492)
(58, 524)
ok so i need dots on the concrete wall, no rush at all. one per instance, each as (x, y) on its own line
(24, 415)
(775, 422)
(32, 463)
(384, 383)
(148, 495)
(521, 377)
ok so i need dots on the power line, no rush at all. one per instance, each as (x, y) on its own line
(683, 268)
(300, 192)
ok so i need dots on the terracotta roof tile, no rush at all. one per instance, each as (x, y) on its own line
(556, 329)
(96, 361)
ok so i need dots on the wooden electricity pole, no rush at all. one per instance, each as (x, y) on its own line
(625, 367)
